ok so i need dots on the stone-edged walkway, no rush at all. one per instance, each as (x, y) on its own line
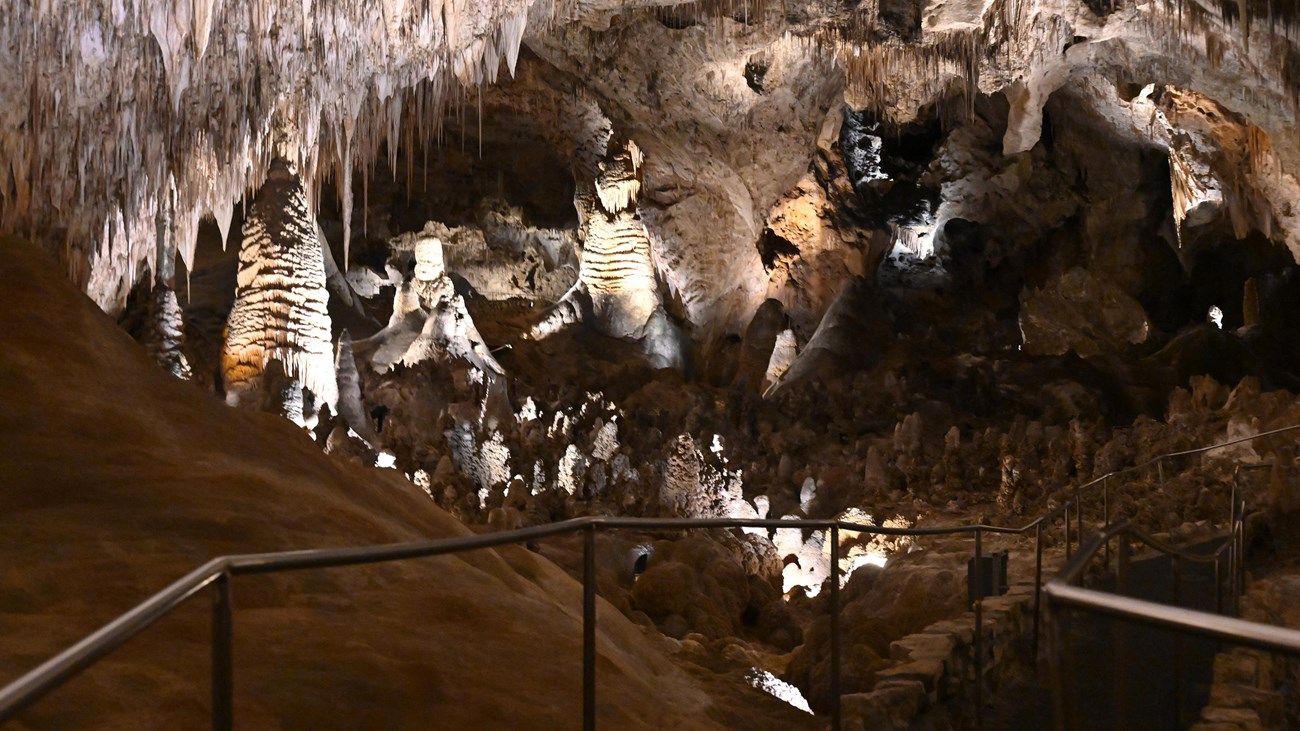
(937, 665)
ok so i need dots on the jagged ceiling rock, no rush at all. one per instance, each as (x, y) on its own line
(123, 114)
(110, 107)
(813, 242)
(719, 152)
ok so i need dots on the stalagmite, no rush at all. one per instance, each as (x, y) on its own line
(617, 274)
(1250, 303)
(430, 320)
(350, 406)
(840, 338)
(784, 351)
(280, 304)
(404, 326)
(165, 335)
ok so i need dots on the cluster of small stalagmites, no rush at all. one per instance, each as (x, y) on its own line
(814, 466)
(1190, 491)
(112, 107)
(1007, 473)
(532, 465)
(692, 486)
(545, 462)
(278, 340)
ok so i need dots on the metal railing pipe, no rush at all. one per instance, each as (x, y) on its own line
(260, 563)
(223, 656)
(835, 628)
(589, 628)
(1205, 624)
(53, 672)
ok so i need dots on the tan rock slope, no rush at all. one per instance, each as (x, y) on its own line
(116, 478)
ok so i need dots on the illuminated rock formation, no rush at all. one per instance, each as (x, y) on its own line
(165, 336)
(280, 313)
(616, 280)
(447, 332)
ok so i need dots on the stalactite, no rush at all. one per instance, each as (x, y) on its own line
(120, 100)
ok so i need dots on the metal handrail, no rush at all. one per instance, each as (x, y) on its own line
(218, 572)
(1262, 636)
(1075, 567)
(1063, 592)
(49, 675)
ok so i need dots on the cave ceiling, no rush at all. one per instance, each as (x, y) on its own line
(131, 121)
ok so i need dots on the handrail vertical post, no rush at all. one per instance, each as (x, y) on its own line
(1239, 580)
(1178, 643)
(1218, 584)
(1122, 567)
(1060, 639)
(1038, 585)
(1105, 517)
(1078, 510)
(223, 686)
(979, 628)
(1122, 633)
(1119, 641)
(1067, 531)
(1232, 502)
(835, 627)
(589, 629)
(1234, 556)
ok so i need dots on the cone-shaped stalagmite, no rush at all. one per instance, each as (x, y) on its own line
(280, 302)
(616, 280)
